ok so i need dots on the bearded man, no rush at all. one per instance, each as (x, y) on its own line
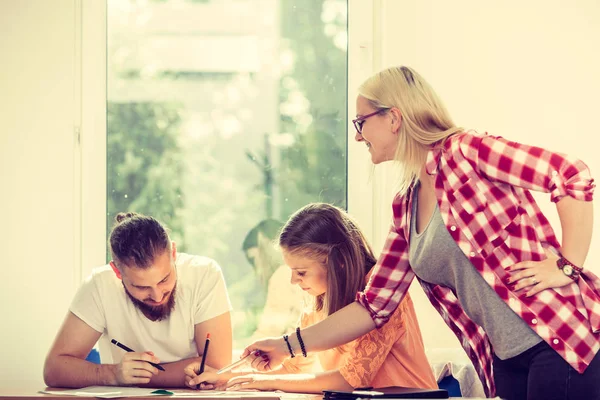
(159, 303)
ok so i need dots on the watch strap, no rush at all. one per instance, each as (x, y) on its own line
(562, 262)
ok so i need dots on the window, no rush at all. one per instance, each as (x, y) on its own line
(223, 118)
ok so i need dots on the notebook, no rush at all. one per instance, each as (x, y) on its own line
(391, 392)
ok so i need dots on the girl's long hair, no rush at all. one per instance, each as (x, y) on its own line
(327, 234)
(425, 120)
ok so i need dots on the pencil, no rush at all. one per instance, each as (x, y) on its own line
(127, 349)
(233, 365)
(201, 370)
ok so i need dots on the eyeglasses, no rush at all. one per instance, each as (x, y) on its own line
(359, 122)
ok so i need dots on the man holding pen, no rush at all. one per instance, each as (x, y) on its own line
(155, 305)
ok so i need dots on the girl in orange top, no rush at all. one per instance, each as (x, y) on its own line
(330, 259)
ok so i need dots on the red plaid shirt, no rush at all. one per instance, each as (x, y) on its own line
(482, 186)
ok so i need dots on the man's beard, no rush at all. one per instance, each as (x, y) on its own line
(154, 313)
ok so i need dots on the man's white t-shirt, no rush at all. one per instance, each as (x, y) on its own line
(101, 302)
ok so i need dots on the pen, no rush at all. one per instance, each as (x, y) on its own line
(233, 365)
(201, 370)
(127, 349)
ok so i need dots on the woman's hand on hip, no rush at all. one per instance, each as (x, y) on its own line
(535, 276)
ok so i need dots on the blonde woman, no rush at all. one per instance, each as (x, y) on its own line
(522, 304)
(330, 260)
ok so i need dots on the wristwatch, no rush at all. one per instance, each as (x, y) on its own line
(568, 268)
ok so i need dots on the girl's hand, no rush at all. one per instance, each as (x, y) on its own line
(266, 354)
(252, 382)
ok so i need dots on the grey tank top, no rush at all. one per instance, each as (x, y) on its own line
(436, 258)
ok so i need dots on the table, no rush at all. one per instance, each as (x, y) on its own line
(28, 394)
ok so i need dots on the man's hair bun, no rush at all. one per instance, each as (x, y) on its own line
(120, 217)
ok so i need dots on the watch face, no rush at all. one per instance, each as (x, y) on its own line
(568, 270)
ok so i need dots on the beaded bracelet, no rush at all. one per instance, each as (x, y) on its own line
(301, 342)
(285, 337)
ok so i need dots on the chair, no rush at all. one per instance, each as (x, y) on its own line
(93, 356)
(451, 384)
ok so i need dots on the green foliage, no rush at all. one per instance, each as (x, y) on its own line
(143, 165)
(314, 168)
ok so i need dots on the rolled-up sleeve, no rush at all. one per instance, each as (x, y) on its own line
(389, 281)
(529, 167)
(572, 179)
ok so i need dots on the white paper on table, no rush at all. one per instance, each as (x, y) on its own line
(276, 395)
(224, 394)
(105, 392)
(111, 392)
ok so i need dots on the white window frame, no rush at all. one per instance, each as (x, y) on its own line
(366, 186)
(369, 190)
(93, 135)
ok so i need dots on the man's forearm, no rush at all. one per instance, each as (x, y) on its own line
(173, 375)
(72, 372)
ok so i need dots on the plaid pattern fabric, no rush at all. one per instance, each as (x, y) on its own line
(482, 185)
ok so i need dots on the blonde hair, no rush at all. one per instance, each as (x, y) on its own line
(328, 235)
(425, 120)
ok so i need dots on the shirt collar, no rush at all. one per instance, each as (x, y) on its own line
(433, 159)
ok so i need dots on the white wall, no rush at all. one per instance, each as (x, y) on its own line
(38, 173)
(528, 71)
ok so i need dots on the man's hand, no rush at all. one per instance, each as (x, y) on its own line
(207, 380)
(135, 368)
